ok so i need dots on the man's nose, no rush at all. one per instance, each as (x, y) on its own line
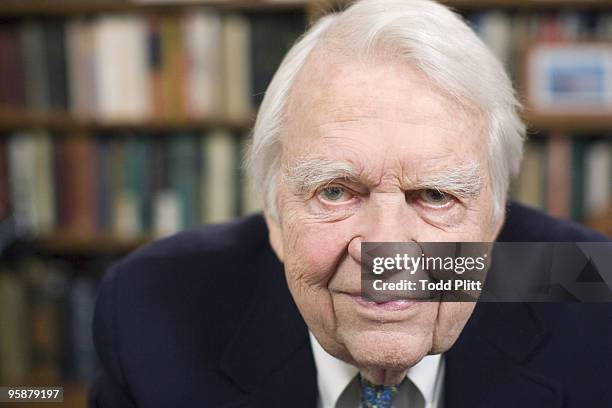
(386, 218)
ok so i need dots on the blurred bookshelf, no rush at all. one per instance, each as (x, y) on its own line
(66, 7)
(75, 244)
(96, 161)
(64, 122)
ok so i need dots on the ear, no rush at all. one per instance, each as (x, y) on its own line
(275, 235)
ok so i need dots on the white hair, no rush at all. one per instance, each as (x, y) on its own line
(433, 39)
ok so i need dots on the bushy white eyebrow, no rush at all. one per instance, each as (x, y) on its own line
(310, 174)
(464, 181)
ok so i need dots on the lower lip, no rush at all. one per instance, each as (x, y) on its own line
(392, 305)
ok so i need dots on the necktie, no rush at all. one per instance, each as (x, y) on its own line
(377, 396)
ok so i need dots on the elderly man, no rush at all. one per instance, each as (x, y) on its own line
(388, 122)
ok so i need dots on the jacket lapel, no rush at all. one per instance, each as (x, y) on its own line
(270, 356)
(486, 368)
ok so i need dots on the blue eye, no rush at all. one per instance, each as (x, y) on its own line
(335, 194)
(434, 197)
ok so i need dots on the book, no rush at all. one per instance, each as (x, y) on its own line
(43, 182)
(128, 195)
(103, 183)
(271, 36)
(146, 190)
(56, 64)
(203, 69)
(12, 79)
(14, 344)
(172, 68)
(4, 195)
(236, 62)
(603, 26)
(121, 201)
(531, 182)
(121, 59)
(75, 189)
(81, 68)
(559, 167)
(154, 62)
(35, 66)
(45, 287)
(166, 213)
(21, 151)
(577, 186)
(185, 171)
(218, 191)
(598, 177)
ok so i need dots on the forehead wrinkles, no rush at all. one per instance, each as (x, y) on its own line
(325, 104)
(325, 117)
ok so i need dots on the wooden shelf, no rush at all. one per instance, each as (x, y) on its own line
(568, 123)
(75, 244)
(529, 4)
(318, 8)
(17, 8)
(64, 122)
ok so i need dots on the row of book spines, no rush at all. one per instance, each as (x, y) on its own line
(508, 34)
(124, 186)
(196, 65)
(547, 26)
(570, 177)
(4, 195)
(131, 66)
(33, 72)
(47, 320)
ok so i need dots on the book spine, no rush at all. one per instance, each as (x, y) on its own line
(4, 196)
(55, 56)
(559, 165)
(35, 66)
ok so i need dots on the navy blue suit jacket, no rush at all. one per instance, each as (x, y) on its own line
(205, 319)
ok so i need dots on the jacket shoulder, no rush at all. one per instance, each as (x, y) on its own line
(170, 308)
(206, 260)
(530, 225)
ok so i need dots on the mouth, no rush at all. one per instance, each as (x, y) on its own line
(382, 305)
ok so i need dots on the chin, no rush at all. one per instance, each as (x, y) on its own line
(387, 350)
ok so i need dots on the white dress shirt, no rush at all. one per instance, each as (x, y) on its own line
(334, 375)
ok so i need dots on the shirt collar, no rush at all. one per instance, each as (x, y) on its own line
(333, 375)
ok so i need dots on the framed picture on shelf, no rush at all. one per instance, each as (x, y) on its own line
(569, 79)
